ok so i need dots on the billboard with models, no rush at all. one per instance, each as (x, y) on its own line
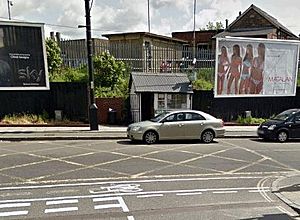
(256, 67)
(23, 60)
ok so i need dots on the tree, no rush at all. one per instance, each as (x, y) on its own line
(108, 71)
(53, 56)
(211, 26)
(111, 77)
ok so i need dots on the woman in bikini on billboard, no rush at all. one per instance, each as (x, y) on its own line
(256, 77)
(234, 72)
(245, 76)
(223, 63)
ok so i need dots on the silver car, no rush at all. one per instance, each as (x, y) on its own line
(186, 124)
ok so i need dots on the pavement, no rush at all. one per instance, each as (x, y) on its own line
(287, 188)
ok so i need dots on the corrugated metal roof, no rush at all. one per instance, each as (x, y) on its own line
(161, 82)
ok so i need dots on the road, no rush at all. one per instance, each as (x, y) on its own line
(115, 179)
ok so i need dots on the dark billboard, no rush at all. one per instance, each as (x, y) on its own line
(23, 61)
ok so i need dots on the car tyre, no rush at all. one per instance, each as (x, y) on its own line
(150, 137)
(282, 136)
(207, 136)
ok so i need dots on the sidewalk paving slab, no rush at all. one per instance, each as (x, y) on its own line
(287, 188)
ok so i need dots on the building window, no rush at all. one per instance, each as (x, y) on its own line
(176, 101)
(161, 101)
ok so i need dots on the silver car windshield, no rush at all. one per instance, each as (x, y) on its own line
(159, 117)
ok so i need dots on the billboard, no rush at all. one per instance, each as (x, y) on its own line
(23, 60)
(255, 67)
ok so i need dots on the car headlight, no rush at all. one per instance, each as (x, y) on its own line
(272, 127)
(136, 128)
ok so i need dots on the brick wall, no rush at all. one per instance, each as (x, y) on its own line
(104, 104)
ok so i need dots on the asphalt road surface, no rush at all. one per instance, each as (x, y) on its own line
(228, 179)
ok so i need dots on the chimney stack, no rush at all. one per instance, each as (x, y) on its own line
(226, 23)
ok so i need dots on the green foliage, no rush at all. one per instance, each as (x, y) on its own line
(53, 56)
(249, 120)
(205, 79)
(70, 75)
(298, 78)
(24, 119)
(108, 71)
(111, 76)
(211, 26)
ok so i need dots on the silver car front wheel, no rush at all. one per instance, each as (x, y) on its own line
(207, 136)
(150, 137)
(282, 136)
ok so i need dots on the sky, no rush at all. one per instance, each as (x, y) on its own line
(166, 16)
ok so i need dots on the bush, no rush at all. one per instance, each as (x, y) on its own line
(205, 79)
(70, 75)
(249, 120)
(24, 119)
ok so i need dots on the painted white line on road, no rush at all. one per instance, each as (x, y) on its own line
(108, 206)
(132, 181)
(66, 209)
(224, 192)
(188, 194)
(14, 205)
(149, 196)
(15, 213)
(280, 208)
(57, 202)
(258, 191)
(118, 198)
(106, 196)
(130, 217)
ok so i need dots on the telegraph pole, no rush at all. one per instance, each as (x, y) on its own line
(194, 32)
(93, 109)
(9, 4)
(149, 24)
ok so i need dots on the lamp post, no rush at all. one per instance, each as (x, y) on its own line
(93, 109)
(9, 4)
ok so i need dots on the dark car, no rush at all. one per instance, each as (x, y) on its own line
(282, 127)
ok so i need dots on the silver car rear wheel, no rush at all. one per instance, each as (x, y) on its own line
(207, 136)
(150, 137)
(282, 136)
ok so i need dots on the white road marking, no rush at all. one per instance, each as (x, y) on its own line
(14, 205)
(57, 202)
(188, 194)
(132, 181)
(118, 198)
(15, 213)
(224, 192)
(258, 191)
(66, 209)
(108, 206)
(105, 196)
(148, 196)
(121, 204)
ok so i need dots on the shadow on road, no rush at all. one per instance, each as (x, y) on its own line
(271, 217)
(274, 141)
(173, 142)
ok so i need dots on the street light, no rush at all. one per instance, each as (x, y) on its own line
(9, 4)
(93, 109)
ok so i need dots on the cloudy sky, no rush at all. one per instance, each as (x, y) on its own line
(113, 16)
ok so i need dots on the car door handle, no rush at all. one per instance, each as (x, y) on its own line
(180, 125)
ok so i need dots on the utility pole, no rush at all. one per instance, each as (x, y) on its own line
(149, 29)
(194, 32)
(9, 4)
(93, 109)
